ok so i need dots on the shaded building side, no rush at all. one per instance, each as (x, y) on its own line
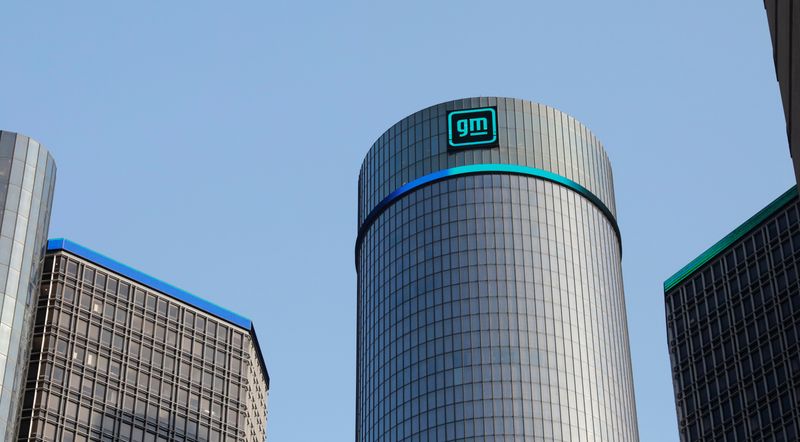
(733, 327)
(784, 26)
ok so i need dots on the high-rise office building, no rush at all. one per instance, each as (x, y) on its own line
(490, 296)
(27, 178)
(784, 26)
(733, 313)
(733, 327)
(121, 356)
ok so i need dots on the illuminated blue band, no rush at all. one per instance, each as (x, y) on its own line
(149, 281)
(475, 169)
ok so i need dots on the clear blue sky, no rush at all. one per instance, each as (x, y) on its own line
(217, 146)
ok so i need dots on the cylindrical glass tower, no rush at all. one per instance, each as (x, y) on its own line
(27, 179)
(490, 297)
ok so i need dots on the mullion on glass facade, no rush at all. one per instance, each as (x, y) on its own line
(113, 359)
(490, 305)
(734, 332)
(27, 180)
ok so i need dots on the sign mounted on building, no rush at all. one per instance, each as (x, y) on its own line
(472, 128)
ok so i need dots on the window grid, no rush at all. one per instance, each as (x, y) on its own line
(488, 311)
(734, 338)
(113, 360)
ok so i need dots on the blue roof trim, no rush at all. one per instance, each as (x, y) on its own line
(149, 281)
(142, 278)
(476, 169)
(748, 226)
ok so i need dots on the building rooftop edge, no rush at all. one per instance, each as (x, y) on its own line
(478, 97)
(721, 245)
(57, 244)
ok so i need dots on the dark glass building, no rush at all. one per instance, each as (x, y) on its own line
(27, 180)
(733, 326)
(490, 296)
(121, 356)
(784, 26)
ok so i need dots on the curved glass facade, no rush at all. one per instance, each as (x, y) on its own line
(490, 305)
(27, 179)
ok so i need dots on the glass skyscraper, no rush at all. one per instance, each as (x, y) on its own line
(490, 296)
(733, 326)
(27, 178)
(121, 356)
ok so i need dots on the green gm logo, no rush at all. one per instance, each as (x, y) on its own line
(472, 128)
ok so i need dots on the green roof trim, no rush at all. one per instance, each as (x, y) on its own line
(729, 239)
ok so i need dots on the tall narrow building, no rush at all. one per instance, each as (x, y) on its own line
(784, 26)
(490, 297)
(121, 356)
(27, 179)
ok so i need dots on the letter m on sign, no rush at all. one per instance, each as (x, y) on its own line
(469, 128)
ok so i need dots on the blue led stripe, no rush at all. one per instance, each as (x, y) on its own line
(730, 239)
(475, 169)
(57, 244)
(147, 280)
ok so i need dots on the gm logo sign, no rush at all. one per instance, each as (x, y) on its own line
(472, 128)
